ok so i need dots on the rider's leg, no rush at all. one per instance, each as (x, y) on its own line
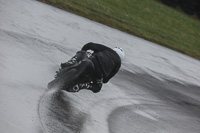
(83, 73)
(96, 81)
(80, 55)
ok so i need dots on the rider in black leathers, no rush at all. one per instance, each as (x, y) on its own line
(104, 61)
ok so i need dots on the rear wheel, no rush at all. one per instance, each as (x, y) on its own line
(62, 81)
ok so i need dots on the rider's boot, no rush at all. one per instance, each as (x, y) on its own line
(94, 86)
(81, 86)
(80, 55)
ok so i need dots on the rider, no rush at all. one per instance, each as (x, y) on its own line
(104, 61)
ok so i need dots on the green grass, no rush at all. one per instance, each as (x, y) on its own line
(148, 19)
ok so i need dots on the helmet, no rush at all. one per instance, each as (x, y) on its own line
(120, 52)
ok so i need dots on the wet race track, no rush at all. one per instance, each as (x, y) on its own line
(157, 89)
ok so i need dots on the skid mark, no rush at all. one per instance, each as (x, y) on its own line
(58, 115)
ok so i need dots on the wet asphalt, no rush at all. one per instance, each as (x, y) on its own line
(35, 38)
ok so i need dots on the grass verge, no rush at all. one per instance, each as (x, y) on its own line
(148, 19)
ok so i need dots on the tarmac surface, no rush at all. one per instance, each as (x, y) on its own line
(157, 90)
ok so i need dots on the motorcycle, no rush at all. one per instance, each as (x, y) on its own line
(72, 78)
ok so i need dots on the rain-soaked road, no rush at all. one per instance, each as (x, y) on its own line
(157, 90)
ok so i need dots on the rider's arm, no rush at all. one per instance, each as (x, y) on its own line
(94, 46)
(105, 80)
